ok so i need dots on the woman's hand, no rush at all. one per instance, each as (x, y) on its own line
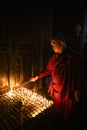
(33, 79)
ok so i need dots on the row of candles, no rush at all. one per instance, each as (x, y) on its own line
(19, 105)
(29, 98)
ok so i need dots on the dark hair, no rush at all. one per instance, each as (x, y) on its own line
(57, 36)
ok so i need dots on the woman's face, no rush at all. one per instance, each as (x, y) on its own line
(57, 46)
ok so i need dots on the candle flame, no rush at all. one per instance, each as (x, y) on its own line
(28, 97)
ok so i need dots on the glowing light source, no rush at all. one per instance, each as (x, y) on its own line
(19, 106)
(29, 98)
(10, 93)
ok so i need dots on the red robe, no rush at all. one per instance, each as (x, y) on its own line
(67, 75)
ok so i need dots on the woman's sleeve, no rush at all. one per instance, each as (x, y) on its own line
(47, 70)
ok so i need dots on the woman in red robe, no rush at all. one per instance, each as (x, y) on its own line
(65, 67)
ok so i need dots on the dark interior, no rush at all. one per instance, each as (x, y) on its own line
(25, 30)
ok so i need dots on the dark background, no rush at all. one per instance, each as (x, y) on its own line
(25, 30)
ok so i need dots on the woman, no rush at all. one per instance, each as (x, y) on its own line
(65, 67)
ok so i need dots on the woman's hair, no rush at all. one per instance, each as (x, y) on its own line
(57, 37)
